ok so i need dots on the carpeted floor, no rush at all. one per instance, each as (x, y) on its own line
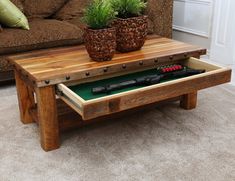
(165, 143)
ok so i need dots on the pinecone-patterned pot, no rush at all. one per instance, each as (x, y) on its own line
(100, 44)
(131, 33)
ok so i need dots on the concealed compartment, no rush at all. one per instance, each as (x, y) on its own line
(79, 96)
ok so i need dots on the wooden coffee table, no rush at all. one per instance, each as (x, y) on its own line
(43, 80)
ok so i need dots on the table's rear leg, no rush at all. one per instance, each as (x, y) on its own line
(25, 99)
(189, 101)
(48, 119)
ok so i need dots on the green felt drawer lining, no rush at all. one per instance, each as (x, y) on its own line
(84, 90)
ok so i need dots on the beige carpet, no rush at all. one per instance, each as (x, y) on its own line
(165, 143)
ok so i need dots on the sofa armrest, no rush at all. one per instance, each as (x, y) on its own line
(160, 13)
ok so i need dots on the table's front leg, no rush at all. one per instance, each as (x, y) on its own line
(48, 119)
(25, 99)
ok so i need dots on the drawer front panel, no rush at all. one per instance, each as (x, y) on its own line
(90, 109)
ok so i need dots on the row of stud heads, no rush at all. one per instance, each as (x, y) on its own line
(123, 66)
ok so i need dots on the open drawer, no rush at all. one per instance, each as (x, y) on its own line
(92, 107)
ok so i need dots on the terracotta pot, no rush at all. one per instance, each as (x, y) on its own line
(131, 33)
(100, 44)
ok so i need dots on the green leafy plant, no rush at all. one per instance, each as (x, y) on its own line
(129, 8)
(99, 14)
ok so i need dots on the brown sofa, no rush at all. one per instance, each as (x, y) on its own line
(56, 23)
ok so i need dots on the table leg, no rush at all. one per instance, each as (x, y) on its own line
(25, 99)
(48, 119)
(189, 101)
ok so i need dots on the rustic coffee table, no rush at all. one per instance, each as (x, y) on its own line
(45, 81)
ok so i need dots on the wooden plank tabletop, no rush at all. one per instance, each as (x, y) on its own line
(53, 66)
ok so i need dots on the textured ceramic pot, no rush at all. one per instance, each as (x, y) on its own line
(100, 44)
(131, 33)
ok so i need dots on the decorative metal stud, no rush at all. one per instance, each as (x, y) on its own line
(124, 66)
(106, 69)
(87, 73)
(185, 55)
(141, 63)
(47, 81)
(156, 60)
(171, 57)
(67, 77)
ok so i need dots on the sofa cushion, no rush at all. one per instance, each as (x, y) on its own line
(73, 8)
(73, 11)
(78, 22)
(43, 34)
(18, 4)
(42, 8)
(160, 13)
(4, 65)
(150, 27)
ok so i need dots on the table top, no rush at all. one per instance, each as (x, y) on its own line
(53, 66)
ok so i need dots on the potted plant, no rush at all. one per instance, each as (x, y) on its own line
(99, 37)
(131, 25)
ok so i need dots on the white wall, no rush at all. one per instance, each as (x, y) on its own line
(192, 39)
(192, 21)
(234, 57)
(209, 24)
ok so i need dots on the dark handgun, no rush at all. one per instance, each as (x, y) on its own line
(146, 80)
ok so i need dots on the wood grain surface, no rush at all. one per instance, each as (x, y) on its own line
(69, 119)
(48, 118)
(53, 66)
(189, 101)
(40, 71)
(187, 87)
(25, 99)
